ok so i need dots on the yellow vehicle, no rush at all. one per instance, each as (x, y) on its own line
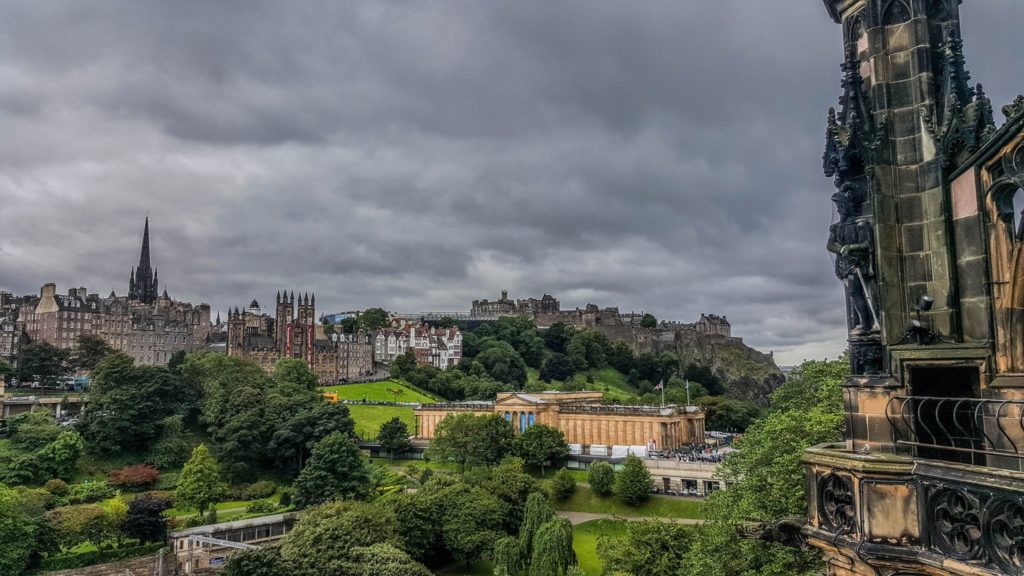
(332, 397)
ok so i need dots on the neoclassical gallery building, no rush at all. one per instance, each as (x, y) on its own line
(582, 417)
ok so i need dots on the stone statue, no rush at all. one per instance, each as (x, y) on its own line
(852, 241)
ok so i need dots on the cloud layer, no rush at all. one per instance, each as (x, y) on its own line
(656, 155)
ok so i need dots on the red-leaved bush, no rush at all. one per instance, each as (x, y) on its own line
(135, 476)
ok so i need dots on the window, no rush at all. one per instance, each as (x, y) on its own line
(1010, 204)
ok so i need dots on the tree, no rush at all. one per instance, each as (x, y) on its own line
(508, 557)
(5, 369)
(60, 457)
(89, 351)
(472, 439)
(472, 523)
(17, 532)
(767, 480)
(633, 484)
(145, 519)
(728, 415)
(42, 360)
(335, 470)
(373, 319)
(538, 512)
(419, 523)
(394, 437)
(295, 372)
(31, 431)
(133, 476)
(649, 548)
(384, 560)
(510, 483)
(586, 350)
(601, 478)
(448, 322)
(501, 362)
(128, 403)
(552, 549)
(705, 377)
(563, 485)
(323, 541)
(541, 445)
(199, 484)
(349, 325)
(620, 357)
(173, 447)
(648, 321)
(75, 525)
(557, 337)
(175, 362)
(404, 365)
(265, 561)
(557, 367)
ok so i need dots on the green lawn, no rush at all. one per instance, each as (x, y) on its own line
(369, 418)
(383, 391)
(608, 380)
(584, 542)
(229, 505)
(584, 500)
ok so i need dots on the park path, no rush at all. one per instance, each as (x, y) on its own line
(581, 517)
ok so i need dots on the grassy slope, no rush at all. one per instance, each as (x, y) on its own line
(584, 500)
(608, 380)
(379, 392)
(584, 542)
(369, 418)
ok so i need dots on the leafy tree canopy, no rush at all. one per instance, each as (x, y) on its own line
(541, 445)
(335, 470)
(199, 484)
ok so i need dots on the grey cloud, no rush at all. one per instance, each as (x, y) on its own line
(655, 155)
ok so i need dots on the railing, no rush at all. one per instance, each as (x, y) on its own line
(965, 430)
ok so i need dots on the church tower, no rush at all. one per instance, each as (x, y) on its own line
(143, 285)
(929, 247)
(284, 313)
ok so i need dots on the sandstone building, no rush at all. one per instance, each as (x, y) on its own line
(929, 247)
(293, 332)
(582, 417)
(147, 327)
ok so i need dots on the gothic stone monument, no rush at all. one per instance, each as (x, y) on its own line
(929, 246)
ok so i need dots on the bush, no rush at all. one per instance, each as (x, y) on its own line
(168, 481)
(260, 507)
(135, 476)
(563, 485)
(261, 489)
(88, 493)
(56, 487)
(601, 478)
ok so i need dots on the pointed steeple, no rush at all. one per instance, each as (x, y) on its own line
(143, 285)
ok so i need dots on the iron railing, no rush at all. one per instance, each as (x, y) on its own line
(959, 429)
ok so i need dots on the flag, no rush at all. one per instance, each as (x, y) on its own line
(660, 386)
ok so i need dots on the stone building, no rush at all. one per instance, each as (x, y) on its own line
(147, 327)
(439, 347)
(293, 332)
(507, 307)
(582, 417)
(929, 246)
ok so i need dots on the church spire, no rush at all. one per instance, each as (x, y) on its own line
(143, 284)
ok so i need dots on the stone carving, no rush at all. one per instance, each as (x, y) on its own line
(836, 507)
(1004, 534)
(852, 241)
(1011, 111)
(956, 523)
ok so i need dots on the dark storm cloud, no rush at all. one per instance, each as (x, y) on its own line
(657, 155)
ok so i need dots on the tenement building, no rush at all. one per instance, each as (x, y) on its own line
(582, 417)
(293, 332)
(147, 327)
(439, 347)
(929, 247)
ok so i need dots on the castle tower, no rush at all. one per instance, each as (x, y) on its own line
(929, 250)
(236, 333)
(284, 313)
(143, 283)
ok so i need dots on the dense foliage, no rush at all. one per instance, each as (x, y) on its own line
(601, 478)
(541, 446)
(471, 439)
(633, 484)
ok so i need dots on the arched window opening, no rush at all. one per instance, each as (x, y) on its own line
(897, 12)
(1018, 215)
(1011, 212)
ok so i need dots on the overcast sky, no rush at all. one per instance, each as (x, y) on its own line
(658, 155)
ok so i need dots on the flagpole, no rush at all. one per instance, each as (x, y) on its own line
(687, 392)
(662, 393)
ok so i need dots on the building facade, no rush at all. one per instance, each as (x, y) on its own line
(292, 332)
(929, 247)
(582, 417)
(439, 347)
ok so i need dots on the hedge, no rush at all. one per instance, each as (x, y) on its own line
(71, 561)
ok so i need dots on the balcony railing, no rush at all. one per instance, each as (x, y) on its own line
(985, 432)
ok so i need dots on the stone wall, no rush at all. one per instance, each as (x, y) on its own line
(141, 566)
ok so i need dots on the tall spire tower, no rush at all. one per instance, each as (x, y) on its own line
(143, 284)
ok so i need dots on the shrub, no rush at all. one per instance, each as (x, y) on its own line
(260, 507)
(88, 493)
(286, 498)
(601, 478)
(135, 476)
(168, 481)
(563, 485)
(633, 485)
(56, 487)
(261, 489)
